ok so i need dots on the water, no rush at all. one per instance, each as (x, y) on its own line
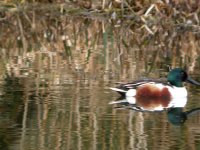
(55, 79)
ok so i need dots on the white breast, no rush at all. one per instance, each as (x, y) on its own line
(177, 92)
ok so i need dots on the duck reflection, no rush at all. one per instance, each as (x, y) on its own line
(174, 107)
(177, 116)
(150, 103)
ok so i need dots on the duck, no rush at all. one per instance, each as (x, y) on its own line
(157, 89)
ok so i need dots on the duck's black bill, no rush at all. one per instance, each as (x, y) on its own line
(190, 80)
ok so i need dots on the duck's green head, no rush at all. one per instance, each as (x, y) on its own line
(177, 76)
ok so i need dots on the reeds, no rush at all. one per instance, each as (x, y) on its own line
(154, 31)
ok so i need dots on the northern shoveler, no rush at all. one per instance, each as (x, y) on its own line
(157, 89)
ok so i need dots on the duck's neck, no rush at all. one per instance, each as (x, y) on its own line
(177, 84)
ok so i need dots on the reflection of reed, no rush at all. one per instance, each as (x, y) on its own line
(41, 140)
(78, 116)
(142, 142)
(24, 120)
(132, 134)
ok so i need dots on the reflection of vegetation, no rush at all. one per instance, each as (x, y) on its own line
(11, 111)
(13, 92)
